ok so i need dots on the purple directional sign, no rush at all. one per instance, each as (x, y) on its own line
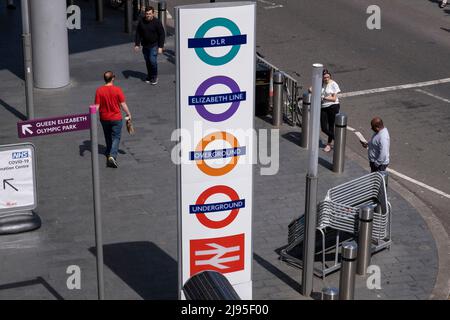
(43, 127)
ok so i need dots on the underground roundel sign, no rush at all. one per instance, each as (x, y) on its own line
(201, 155)
(202, 208)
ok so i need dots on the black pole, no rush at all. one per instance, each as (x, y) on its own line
(99, 10)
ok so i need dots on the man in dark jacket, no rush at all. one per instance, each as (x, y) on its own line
(150, 35)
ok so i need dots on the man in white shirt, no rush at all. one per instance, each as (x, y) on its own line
(443, 3)
(378, 146)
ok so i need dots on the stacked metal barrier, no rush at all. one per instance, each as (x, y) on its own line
(340, 208)
(339, 211)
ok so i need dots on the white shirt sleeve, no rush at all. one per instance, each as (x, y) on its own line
(335, 88)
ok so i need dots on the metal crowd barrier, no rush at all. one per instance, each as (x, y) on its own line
(291, 96)
(338, 216)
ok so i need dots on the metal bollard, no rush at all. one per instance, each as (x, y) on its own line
(364, 239)
(348, 270)
(277, 115)
(10, 4)
(305, 120)
(386, 177)
(99, 10)
(330, 294)
(162, 14)
(128, 16)
(340, 135)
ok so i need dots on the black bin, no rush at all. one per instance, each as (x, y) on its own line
(262, 91)
(209, 285)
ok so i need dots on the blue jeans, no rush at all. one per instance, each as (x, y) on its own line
(113, 132)
(151, 60)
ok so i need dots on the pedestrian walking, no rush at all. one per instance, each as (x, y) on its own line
(330, 107)
(443, 4)
(378, 146)
(110, 100)
(150, 35)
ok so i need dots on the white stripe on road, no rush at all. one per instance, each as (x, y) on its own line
(421, 184)
(272, 5)
(401, 175)
(432, 95)
(394, 88)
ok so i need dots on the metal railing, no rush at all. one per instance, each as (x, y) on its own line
(292, 99)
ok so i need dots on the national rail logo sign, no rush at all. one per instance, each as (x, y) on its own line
(201, 208)
(199, 42)
(201, 155)
(224, 254)
(200, 100)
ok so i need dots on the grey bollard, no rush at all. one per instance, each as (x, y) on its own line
(162, 14)
(10, 4)
(330, 294)
(277, 116)
(305, 120)
(364, 239)
(348, 271)
(99, 10)
(340, 137)
(128, 16)
(386, 177)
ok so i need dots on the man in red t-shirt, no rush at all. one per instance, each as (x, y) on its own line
(109, 100)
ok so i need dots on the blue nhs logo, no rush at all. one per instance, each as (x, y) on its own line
(20, 155)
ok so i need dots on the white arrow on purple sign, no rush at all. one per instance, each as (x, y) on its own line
(43, 127)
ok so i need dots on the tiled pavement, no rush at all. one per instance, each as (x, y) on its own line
(139, 201)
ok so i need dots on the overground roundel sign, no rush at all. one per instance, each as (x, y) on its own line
(200, 99)
(200, 155)
(199, 43)
(201, 208)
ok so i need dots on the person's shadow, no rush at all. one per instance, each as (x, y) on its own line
(86, 146)
(134, 74)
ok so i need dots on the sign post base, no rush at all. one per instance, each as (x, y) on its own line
(19, 223)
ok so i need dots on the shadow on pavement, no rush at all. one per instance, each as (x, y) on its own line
(147, 269)
(325, 163)
(37, 281)
(92, 35)
(86, 146)
(294, 137)
(13, 110)
(277, 272)
(134, 74)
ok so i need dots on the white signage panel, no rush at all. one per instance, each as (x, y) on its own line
(17, 178)
(216, 85)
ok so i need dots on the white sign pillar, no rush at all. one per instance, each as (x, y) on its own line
(215, 112)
